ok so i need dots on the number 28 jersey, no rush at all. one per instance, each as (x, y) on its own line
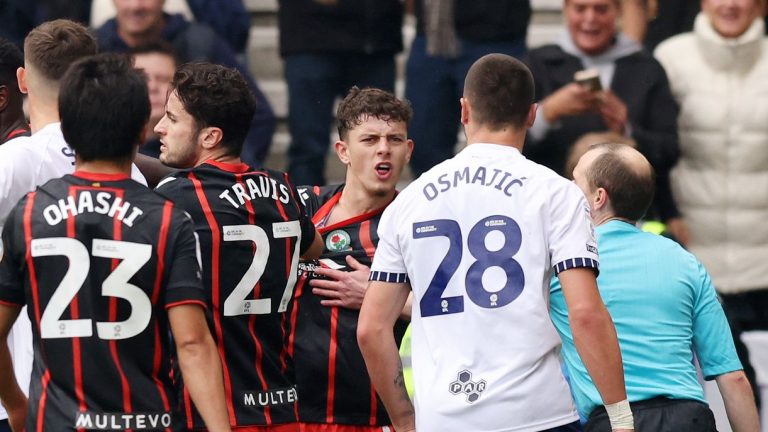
(478, 237)
(252, 229)
(98, 259)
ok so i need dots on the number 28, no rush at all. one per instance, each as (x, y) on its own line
(433, 303)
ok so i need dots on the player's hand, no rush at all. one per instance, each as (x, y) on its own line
(342, 288)
(569, 100)
(614, 112)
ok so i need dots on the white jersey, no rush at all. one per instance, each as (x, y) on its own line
(25, 164)
(479, 236)
(28, 162)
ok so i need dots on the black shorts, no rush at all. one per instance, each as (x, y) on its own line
(660, 415)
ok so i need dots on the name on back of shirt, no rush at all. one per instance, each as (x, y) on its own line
(239, 193)
(495, 179)
(101, 202)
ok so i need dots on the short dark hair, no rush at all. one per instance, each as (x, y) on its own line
(500, 91)
(372, 102)
(629, 190)
(11, 59)
(104, 106)
(158, 46)
(216, 96)
(54, 45)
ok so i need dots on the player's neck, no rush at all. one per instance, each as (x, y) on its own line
(355, 201)
(13, 125)
(507, 137)
(104, 167)
(604, 218)
(218, 154)
(42, 112)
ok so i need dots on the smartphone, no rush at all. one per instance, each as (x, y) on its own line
(589, 79)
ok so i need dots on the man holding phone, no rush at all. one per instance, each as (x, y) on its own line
(633, 97)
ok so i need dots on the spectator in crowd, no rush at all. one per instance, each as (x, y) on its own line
(718, 76)
(19, 17)
(328, 47)
(12, 121)
(159, 64)
(227, 17)
(663, 305)
(631, 96)
(450, 36)
(142, 22)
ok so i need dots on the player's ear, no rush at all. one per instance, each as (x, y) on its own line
(409, 143)
(600, 200)
(211, 137)
(3, 97)
(465, 109)
(342, 151)
(531, 115)
(21, 78)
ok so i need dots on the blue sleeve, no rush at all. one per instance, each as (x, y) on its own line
(712, 339)
(259, 137)
(227, 17)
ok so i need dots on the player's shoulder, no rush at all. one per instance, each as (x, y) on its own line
(313, 197)
(174, 182)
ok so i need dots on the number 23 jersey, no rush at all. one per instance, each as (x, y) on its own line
(479, 236)
(98, 259)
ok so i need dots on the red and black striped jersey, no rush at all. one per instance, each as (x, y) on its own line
(333, 382)
(252, 228)
(98, 259)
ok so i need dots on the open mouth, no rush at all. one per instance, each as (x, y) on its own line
(383, 169)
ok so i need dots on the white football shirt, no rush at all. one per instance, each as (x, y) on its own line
(25, 164)
(479, 236)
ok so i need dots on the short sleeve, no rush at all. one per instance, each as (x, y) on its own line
(11, 270)
(184, 277)
(388, 263)
(571, 234)
(712, 338)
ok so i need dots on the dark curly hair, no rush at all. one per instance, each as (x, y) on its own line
(216, 96)
(373, 102)
(10, 60)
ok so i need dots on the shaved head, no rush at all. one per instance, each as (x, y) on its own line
(623, 173)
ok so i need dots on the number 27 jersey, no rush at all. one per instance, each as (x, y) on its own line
(479, 236)
(252, 229)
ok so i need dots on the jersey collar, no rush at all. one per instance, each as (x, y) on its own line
(237, 168)
(99, 176)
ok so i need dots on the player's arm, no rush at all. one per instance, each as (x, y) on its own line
(200, 364)
(11, 395)
(315, 249)
(383, 304)
(739, 401)
(347, 288)
(595, 337)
